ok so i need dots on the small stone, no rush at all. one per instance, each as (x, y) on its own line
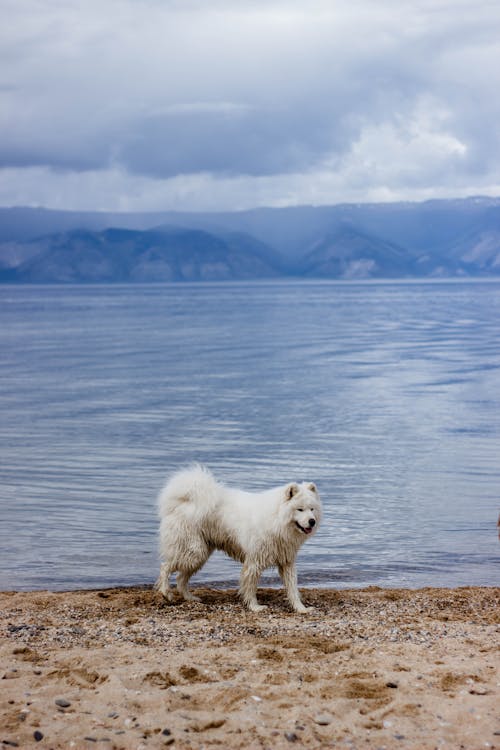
(37, 735)
(11, 675)
(62, 703)
(90, 739)
(206, 720)
(113, 715)
(291, 736)
(323, 719)
(166, 732)
(399, 736)
(169, 741)
(391, 684)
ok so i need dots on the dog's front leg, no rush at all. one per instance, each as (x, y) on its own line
(288, 574)
(249, 579)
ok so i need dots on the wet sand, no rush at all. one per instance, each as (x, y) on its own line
(371, 668)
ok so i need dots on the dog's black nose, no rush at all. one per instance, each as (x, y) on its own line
(312, 522)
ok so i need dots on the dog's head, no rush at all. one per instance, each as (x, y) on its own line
(303, 506)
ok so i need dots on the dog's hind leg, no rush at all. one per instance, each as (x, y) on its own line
(163, 582)
(197, 558)
(183, 577)
(250, 574)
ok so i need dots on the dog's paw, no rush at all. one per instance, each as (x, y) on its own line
(257, 607)
(168, 596)
(191, 597)
(303, 610)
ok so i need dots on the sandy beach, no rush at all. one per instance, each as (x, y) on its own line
(371, 668)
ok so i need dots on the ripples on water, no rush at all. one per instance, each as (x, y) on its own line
(387, 395)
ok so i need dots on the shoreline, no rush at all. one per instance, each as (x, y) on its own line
(368, 668)
(268, 587)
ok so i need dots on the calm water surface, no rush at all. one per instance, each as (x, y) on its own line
(386, 395)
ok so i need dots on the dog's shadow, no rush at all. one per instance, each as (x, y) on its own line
(274, 599)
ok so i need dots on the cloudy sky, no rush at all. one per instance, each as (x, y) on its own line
(228, 104)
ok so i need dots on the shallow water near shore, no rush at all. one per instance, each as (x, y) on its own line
(387, 395)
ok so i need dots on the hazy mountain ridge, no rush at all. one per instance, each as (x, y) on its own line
(123, 255)
(348, 253)
(400, 240)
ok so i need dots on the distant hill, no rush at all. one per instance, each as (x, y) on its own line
(122, 255)
(349, 241)
(350, 254)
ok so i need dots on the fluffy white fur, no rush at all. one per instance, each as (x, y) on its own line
(198, 515)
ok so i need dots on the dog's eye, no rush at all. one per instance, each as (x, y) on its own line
(300, 510)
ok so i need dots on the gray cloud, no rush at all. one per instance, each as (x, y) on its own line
(275, 99)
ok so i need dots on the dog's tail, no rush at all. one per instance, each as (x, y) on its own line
(196, 483)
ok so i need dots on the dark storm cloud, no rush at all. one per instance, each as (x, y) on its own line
(255, 142)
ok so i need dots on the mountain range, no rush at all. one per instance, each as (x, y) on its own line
(449, 238)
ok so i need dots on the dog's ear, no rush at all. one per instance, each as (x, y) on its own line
(311, 486)
(291, 490)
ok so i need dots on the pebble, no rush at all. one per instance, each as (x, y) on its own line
(37, 735)
(62, 703)
(167, 732)
(391, 684)
(291, 736)
(323, 719)
(15, 629)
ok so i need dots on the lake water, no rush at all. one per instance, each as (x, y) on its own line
(387, 395)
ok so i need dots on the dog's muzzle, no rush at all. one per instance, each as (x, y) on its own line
(306, 529)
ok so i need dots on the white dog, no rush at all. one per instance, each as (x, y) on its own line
(199, 515)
